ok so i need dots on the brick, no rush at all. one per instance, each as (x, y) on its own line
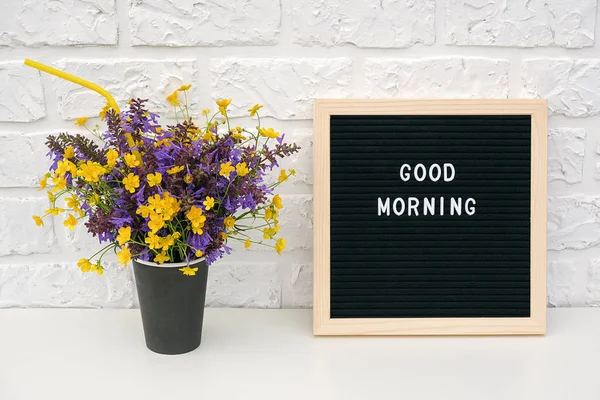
(253, 285)
(81, 240)
(573, 222)
(19, 233)
(21, 95)
(521, 23)
(58, 23)
(204, 23)
(364, 23)
(285, 86)
(301, 282)
(443, 77)
(23, 159)
(572, 87)
(64, 285)
(124, 79)
(566, 149)
(593, 284)
(566, 283)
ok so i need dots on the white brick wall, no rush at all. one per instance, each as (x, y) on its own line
(283, 54)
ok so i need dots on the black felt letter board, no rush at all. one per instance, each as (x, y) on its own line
(430, 266)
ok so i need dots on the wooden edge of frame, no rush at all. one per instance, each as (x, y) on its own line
(533, 325)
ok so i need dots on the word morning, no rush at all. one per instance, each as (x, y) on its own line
(414, 206)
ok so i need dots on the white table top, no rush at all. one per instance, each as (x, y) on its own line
(271, 354)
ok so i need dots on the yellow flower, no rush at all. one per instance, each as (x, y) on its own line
(167, 242)
(189, 271)
(124, 235)
(226, 169)
(124, 255)
(277, 201)
(280, 245)
(154, 179)
(188, 179)
(269, 132)
(268, 233)
(131, 160)
(44, 181)
(270, 213)
(38, 220)
(64, 166)
(69, 152)
(206, 111)
(103, 112)
(144, 211)
(156, 222)
(208, 135)
(97, 269)
(238, 136)
(254, 109)
(229, 222)
(197, 219)
(242, 169)
(55, 210)
(173, 99)
(59, 184)
(152, 240)
(175, 169)
(224, 236)
(293, 172)
(51, 197)
(209, 203)
(223, 102)
(72, 202)
(111, 157)
(85, 265)
(282, 176)
(131, 182)
(81, 121)
(176, 235)
(161, 258)
(71, 222)
(199, 253)
(183, 88)
(247, 244)
(91, 171)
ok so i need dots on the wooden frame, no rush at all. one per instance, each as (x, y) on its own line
(323, 324)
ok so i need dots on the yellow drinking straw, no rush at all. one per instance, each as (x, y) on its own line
(87, 84)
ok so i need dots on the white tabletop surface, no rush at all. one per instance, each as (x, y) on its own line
(271, 354)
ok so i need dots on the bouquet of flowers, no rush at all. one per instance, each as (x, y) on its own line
(168, 193)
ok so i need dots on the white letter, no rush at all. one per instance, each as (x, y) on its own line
(446, 166)
(470, 210)
(455, 206)
(439, 172)
(429, 204)
(441, 206)
(398, 199)
(422, 167)
(404, 176)
(413, 203)
(383, 207)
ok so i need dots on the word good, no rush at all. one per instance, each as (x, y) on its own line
(413, 206)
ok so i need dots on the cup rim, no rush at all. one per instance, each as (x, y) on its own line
(170, 265)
